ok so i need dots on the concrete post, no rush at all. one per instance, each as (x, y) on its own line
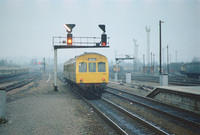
(164, 80)
(55, 69)
(115, 74)
(2, 102)
(128, 77)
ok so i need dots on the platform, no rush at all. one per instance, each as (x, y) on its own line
(186, 89)
(35, 109)
(187, 97)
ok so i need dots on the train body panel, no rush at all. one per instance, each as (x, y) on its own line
(70, 70)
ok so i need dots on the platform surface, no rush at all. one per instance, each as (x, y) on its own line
(35, 109)
(185, 89)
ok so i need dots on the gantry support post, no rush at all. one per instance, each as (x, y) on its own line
(55, 69)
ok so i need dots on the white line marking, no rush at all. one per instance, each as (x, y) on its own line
(49, 77)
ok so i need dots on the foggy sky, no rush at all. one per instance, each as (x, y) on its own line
(27, 27)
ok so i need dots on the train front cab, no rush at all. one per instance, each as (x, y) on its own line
(92, 73)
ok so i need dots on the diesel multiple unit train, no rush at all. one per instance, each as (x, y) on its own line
(89, 71)
(192, 70)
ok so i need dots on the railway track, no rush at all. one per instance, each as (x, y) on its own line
(13, 78)
(182, 117)
(107, 119)
(123, 121)
(18, 84)
(130, 122)
(174, 80)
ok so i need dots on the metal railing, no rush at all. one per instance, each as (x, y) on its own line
(78, 41)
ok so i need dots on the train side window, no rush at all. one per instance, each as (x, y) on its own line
(92, 67)
(101, 67)
(83, 67)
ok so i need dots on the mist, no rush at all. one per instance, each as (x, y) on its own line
(27, 28)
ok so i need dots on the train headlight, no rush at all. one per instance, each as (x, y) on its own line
(81, 79)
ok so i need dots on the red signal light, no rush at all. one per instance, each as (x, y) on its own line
(39, 63)
(103, 39)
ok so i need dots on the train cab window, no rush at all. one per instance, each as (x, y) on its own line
(92, 67)
(101, 67)
(83, 67)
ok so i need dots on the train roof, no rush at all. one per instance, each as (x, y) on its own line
(89, 53)
(73, 59)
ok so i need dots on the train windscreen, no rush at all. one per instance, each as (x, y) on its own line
(101, 67)
(83, 67)
(92, 67)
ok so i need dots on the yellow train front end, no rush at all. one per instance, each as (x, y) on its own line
(92, 72)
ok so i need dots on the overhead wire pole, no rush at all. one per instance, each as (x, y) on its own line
(163, 77)
(160, 46)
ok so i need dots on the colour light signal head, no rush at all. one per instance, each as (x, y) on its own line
(69, 39)
(104, 39)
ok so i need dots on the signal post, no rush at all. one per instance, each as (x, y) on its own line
(60, 43)
(118, 60)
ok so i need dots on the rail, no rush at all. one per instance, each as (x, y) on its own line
(188, 118)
